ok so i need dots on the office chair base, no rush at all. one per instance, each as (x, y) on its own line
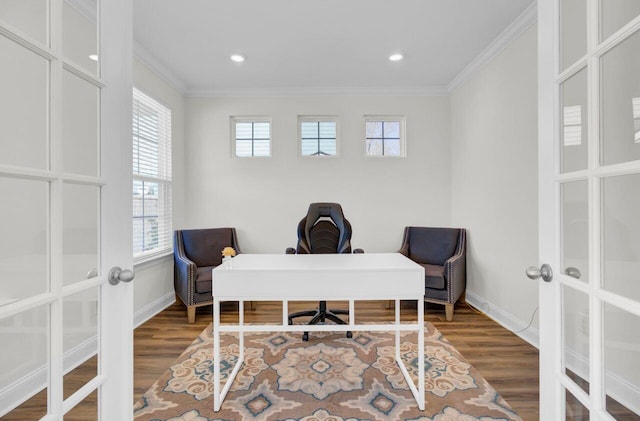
(320, 316)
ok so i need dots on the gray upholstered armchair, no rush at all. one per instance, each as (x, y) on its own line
(196, 252)
(442, 253)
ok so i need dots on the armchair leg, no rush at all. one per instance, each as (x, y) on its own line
(191, 314)
(448, 309)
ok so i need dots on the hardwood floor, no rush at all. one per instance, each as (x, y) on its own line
(509, 363)
(506, 361)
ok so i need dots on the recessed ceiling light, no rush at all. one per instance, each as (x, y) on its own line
(94, 57)
(238, 58)
(396, 57)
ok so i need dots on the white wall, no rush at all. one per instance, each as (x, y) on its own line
(494, 179)
(153, 286)
(264, 198)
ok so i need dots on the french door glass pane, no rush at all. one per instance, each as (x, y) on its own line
(85, 410)
(23, 106)
(80, 236)
(575, 229)
(79, 41)
(80, 126)
(23, 359)
(574, 122)
(27, 16)
(575, 333)
(80, 339)
(621, 235)
(24, 251)
(621, 362)
(620, 96)
(574, 410)
(617, 13)
(573, 31)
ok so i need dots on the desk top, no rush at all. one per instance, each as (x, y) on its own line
(321, 262)
(327, 276)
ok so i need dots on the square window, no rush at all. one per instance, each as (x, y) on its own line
(318, 136)
(251, 136)
(384, 136)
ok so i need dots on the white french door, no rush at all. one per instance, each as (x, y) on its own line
(65, 217)
(589, 180)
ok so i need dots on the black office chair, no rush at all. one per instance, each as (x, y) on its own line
(324, 230)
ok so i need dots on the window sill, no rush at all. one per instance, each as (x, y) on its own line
(146, 261)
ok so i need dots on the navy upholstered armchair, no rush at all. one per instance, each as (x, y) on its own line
(442, 253)
(196, 252)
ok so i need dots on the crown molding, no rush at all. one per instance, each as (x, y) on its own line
(513, 31)
(142, 54)
(317, 92)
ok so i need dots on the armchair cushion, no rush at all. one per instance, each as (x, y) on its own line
(432, 246)
(203, 248)
(203, 279)
(434, 276)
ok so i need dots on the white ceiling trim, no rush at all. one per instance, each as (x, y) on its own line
(328, 91)
(513, 31)
(140, 53)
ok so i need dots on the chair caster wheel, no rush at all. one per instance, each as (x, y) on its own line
(305, 336)
(349, 335)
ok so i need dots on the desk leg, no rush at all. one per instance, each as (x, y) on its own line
(397, 308)
(421, 400)
(241, 333)
(216, 355)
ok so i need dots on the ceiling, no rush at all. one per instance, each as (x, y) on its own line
(316, 44)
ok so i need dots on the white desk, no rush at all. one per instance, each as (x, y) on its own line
(318, 277)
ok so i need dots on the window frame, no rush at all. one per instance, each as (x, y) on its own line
(163, 178)
(318, 119)
(387, 118)
(249, 119)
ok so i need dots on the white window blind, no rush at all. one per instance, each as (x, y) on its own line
(636, 119)
(318, 136)
(152, 228)
(572, 122)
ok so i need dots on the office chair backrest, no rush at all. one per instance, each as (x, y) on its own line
(324, 230)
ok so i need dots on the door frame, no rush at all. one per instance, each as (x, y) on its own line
(116, 50)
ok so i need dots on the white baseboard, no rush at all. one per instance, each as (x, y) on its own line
(19, 391)
(153, 308)
(505, 319)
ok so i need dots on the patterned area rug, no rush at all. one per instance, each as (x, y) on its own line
(329, 378)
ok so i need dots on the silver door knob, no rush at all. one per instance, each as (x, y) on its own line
(117, 275)
(573, 272)
(544, 272)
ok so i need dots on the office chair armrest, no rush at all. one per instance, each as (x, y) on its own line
(290, 250)
(358, 251)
